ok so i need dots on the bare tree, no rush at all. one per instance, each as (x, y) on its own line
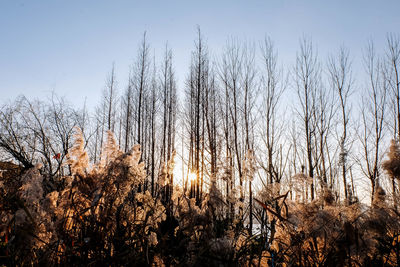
(110, 98)
(39, 132)
(13, 140)
(248, 112)
(153, 132)
(168, 113)
(392, 76)
(372, 117)
(272, 88)
(140, 83)
(127, 113)
(306, 76)
(224, 105)
(231, 67)
(210, 106)
(197, 83)
(105, 114)
(339, 68)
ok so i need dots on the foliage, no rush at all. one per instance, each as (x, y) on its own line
(102, 215)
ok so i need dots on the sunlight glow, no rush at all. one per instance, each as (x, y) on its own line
(192, 176)
(178, 172)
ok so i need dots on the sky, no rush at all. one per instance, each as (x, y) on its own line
(68, 47)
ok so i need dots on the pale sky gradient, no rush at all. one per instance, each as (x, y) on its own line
(69, 46)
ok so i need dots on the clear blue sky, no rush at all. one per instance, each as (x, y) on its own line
(69, 46)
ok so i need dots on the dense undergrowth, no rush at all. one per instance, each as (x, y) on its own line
(104, 214)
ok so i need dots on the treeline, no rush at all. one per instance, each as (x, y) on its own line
(245, 128)
(313, 117)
